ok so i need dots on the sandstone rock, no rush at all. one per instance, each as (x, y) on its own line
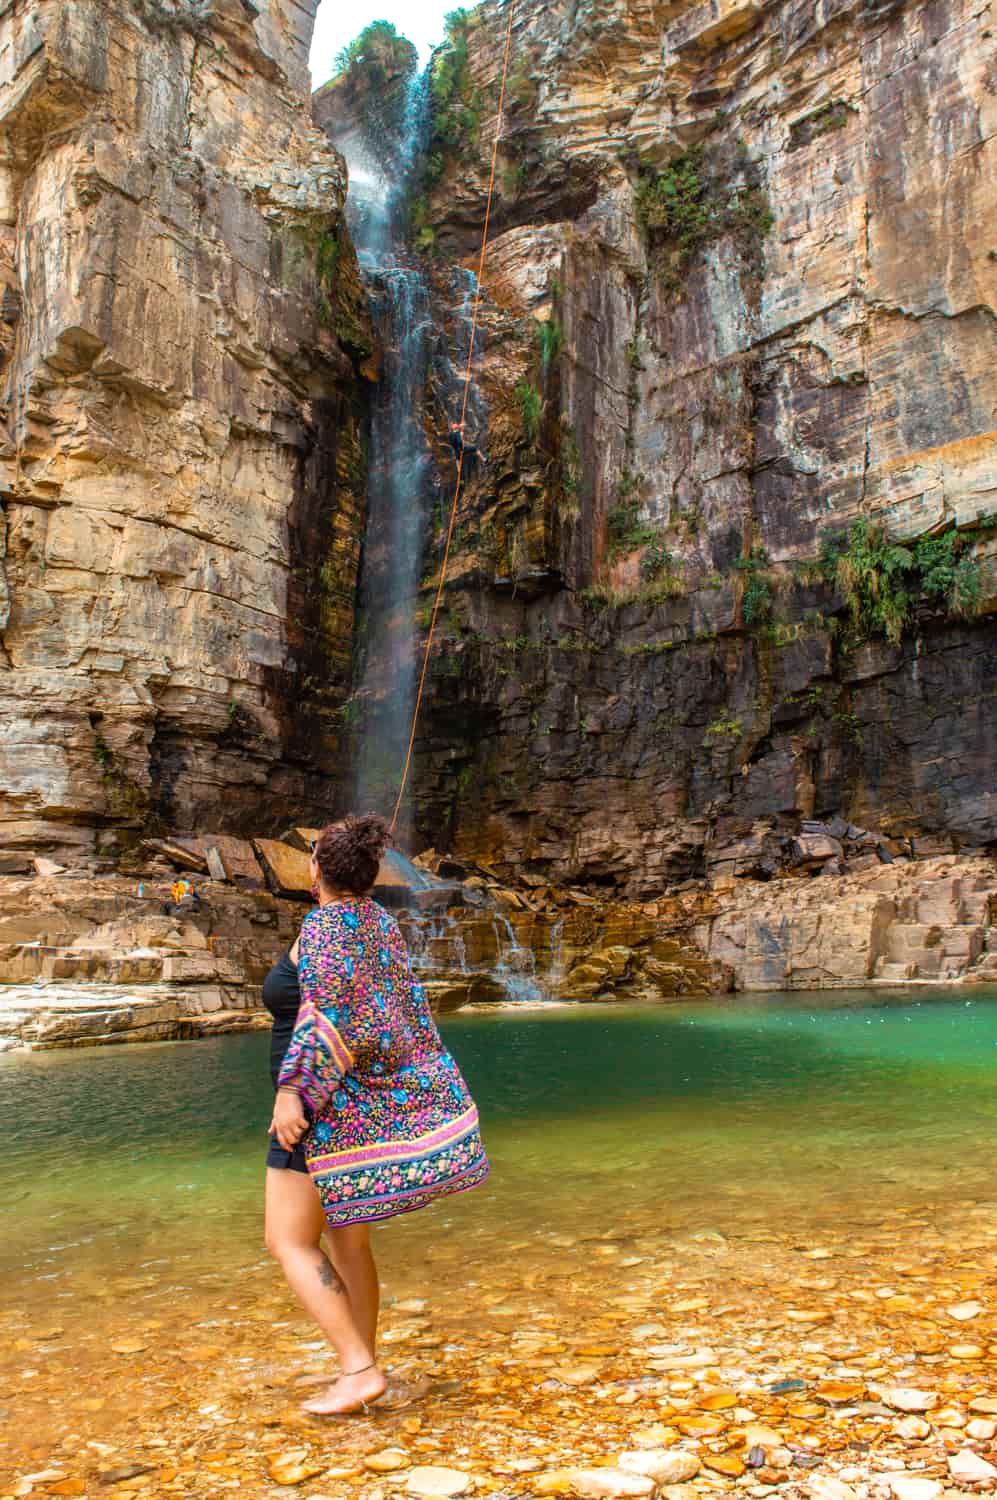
(826, 1487)
(911, 1487)
(433, 1479)
(595, 1484)
(166, 633)
(908, 1398)
(663, 1465)
(963, 1311)
(288, 871)
(969, 1468)
(912, 1429)
(388, 1461)
(674, 742)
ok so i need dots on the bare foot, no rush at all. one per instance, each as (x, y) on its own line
(350, 1393)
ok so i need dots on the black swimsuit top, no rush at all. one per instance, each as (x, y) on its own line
(281, 996)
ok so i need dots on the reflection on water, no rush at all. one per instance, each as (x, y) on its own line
(131, 1177)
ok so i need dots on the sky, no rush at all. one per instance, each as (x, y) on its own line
(339, 21)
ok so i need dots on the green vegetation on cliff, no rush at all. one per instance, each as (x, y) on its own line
(696, 200)
(377, 43)
(882, 582)
(455, 113)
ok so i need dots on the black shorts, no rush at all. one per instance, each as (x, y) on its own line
(286, 1161)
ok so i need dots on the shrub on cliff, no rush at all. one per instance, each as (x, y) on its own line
(378, 44)
(882, 582)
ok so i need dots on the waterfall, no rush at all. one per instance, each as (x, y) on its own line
(400, 469)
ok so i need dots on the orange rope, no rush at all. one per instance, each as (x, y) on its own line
(463, 413)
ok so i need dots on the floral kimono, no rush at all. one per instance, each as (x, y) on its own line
(392, 1123)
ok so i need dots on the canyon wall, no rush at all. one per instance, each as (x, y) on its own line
(741, 294)
(181, 330)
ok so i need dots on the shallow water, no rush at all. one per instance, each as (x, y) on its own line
(628, 1144)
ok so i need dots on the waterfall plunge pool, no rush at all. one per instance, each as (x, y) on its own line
(629, 1144)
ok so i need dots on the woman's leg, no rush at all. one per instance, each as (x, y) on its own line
(294, 1227)
(349, 1251)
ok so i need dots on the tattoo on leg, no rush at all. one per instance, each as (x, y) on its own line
(329, 1276)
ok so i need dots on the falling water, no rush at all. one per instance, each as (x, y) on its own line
(400, 460)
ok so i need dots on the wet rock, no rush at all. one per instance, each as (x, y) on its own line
(294, 1467)
(964, 1311)
(595, 1484)
(387, 1461)
(663, 1465)
(434, 1480)
(121, 1472)
(908, 1398)
(576, 1374)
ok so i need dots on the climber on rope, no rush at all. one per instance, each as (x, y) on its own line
(461, 446)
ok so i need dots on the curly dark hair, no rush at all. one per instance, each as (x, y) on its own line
(348, 853)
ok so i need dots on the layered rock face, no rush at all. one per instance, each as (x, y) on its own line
(183, 477)
(741, 292)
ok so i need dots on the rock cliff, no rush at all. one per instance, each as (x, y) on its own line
(182, 486)
(730, 565)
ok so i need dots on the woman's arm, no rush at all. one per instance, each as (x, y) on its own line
(318, 1056)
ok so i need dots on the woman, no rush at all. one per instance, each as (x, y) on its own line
(371, 1117)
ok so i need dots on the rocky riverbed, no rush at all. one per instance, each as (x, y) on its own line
(832, 1361)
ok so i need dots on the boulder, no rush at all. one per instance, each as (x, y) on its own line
(287, 870)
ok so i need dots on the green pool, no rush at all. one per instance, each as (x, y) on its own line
(829, 1107)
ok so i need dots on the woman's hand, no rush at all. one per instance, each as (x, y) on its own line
(289, 1121)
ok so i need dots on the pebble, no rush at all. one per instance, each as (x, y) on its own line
(387, 1461)
(968, 1467)
(912, 1429)
(717, 1401)
(294, 1467)
(980, 1430)
(908, 1398)
(963, 1311)
(984, 1404)
(826, 1487)
(434, 1480)
(595, 1484)
(663, 1465)
(725, 1463)
(576, 1374)
(910, 1486)
(757, 1436)
(839, 1392)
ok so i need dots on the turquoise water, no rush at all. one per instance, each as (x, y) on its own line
(732, 1114)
